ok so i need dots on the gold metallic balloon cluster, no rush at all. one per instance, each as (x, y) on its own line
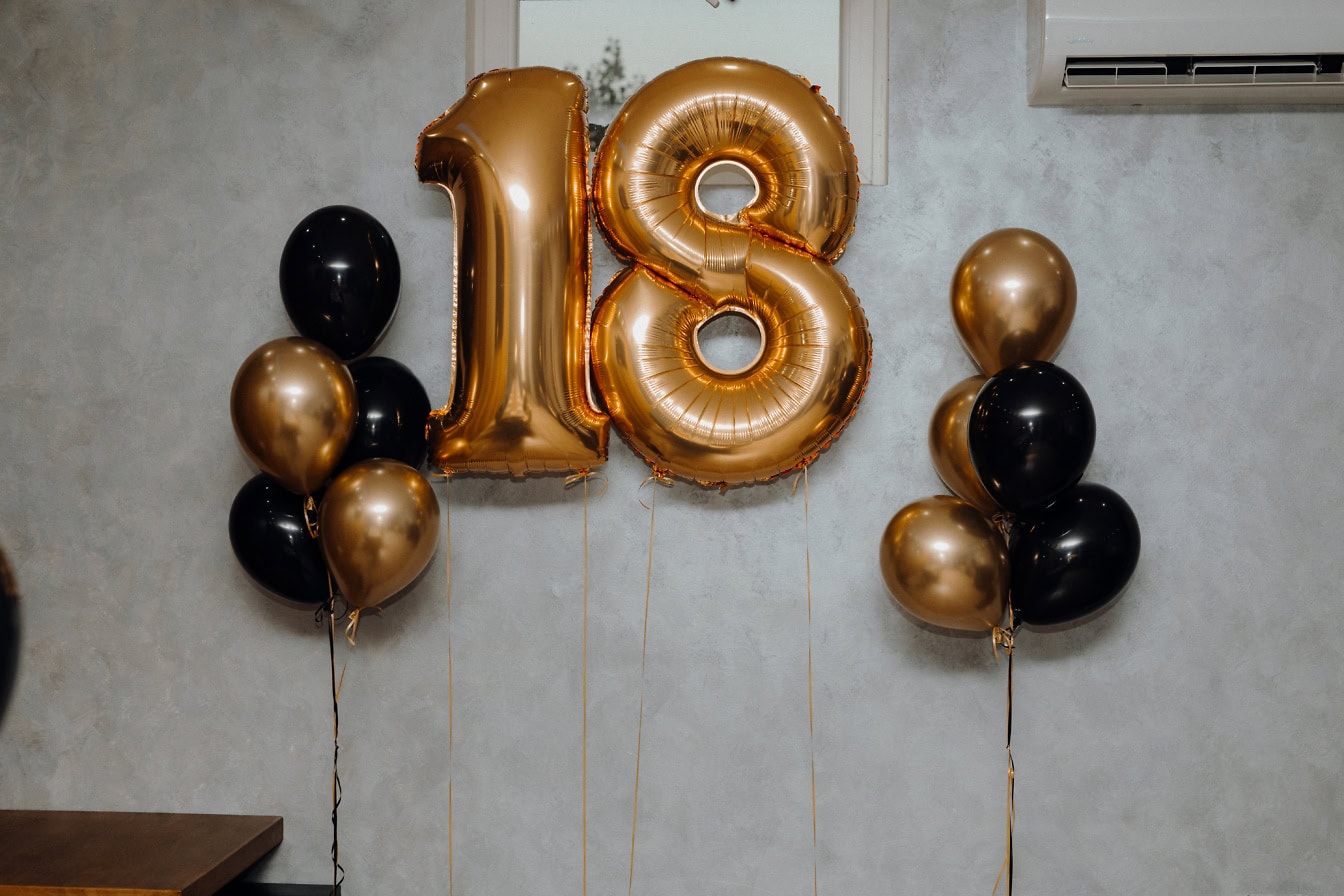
(293, 406)
(512, 155)
(945, 558)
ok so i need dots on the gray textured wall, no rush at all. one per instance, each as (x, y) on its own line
(153, 159)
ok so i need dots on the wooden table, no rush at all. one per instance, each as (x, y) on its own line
(129, 853)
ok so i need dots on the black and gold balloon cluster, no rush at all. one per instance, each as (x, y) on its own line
(1021, 534)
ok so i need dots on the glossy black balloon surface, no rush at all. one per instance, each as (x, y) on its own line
(1074, 557)
(393, 411)
(1031, 434)
(270, 539)
(340, 278)
(9, 633)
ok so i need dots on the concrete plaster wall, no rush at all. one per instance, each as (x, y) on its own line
(153, 159)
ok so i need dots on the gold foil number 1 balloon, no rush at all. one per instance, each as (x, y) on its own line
(512, 155)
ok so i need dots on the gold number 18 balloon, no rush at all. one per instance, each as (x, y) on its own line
(512, 154)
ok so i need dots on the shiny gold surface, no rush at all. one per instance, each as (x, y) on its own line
(946, 564)
(512, 155)
(771, 263)
(378, 524)
(1013, 299)
(293, 406)
(949, 445)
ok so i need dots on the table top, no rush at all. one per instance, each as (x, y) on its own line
(128, 853)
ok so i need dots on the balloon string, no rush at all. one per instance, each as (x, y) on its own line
(643, 668)
(811, 726)
(448, 583)
(1003, 637)
(337, 871)
(582, 476)
(584, 790)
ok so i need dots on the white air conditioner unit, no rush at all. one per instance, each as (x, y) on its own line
(1114, 52)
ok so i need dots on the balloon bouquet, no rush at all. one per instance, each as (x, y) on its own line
(339, 442)
(1020, 534)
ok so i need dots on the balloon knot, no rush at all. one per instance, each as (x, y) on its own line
(586, 475)
(310, 516)
(1003, 637)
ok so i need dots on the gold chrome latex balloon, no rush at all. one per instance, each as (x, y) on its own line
(378, 524)
(949, 445)
(1013, 298)
(293, 406)
(771, 263)
(946, 564)
(512, 155)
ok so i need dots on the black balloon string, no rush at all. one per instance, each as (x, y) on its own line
(337, 872)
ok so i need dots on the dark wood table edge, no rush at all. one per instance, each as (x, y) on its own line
(267, 835)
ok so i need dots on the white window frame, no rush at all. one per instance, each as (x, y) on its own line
(492, 42)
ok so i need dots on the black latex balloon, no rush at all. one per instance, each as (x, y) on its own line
(1031, 435)
(339, 279)
(1074, 557)
(270, 539)
(9, 633)
(393, 412)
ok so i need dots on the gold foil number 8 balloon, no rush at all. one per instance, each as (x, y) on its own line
(771, 262)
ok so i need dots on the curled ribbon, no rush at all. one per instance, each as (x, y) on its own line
(585, 476)
(352, 626)
(661, 477)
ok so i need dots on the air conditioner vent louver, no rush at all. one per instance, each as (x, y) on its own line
(1184, 52)
(1191, 71)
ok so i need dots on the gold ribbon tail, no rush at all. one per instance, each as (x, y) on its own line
(643, 673)
(1004, 637)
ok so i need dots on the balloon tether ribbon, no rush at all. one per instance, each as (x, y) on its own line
(643, 664)
(337, 871)
(662, 478)
(1003, 637)
(582, 476)
(448, 585)
(811, 727)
